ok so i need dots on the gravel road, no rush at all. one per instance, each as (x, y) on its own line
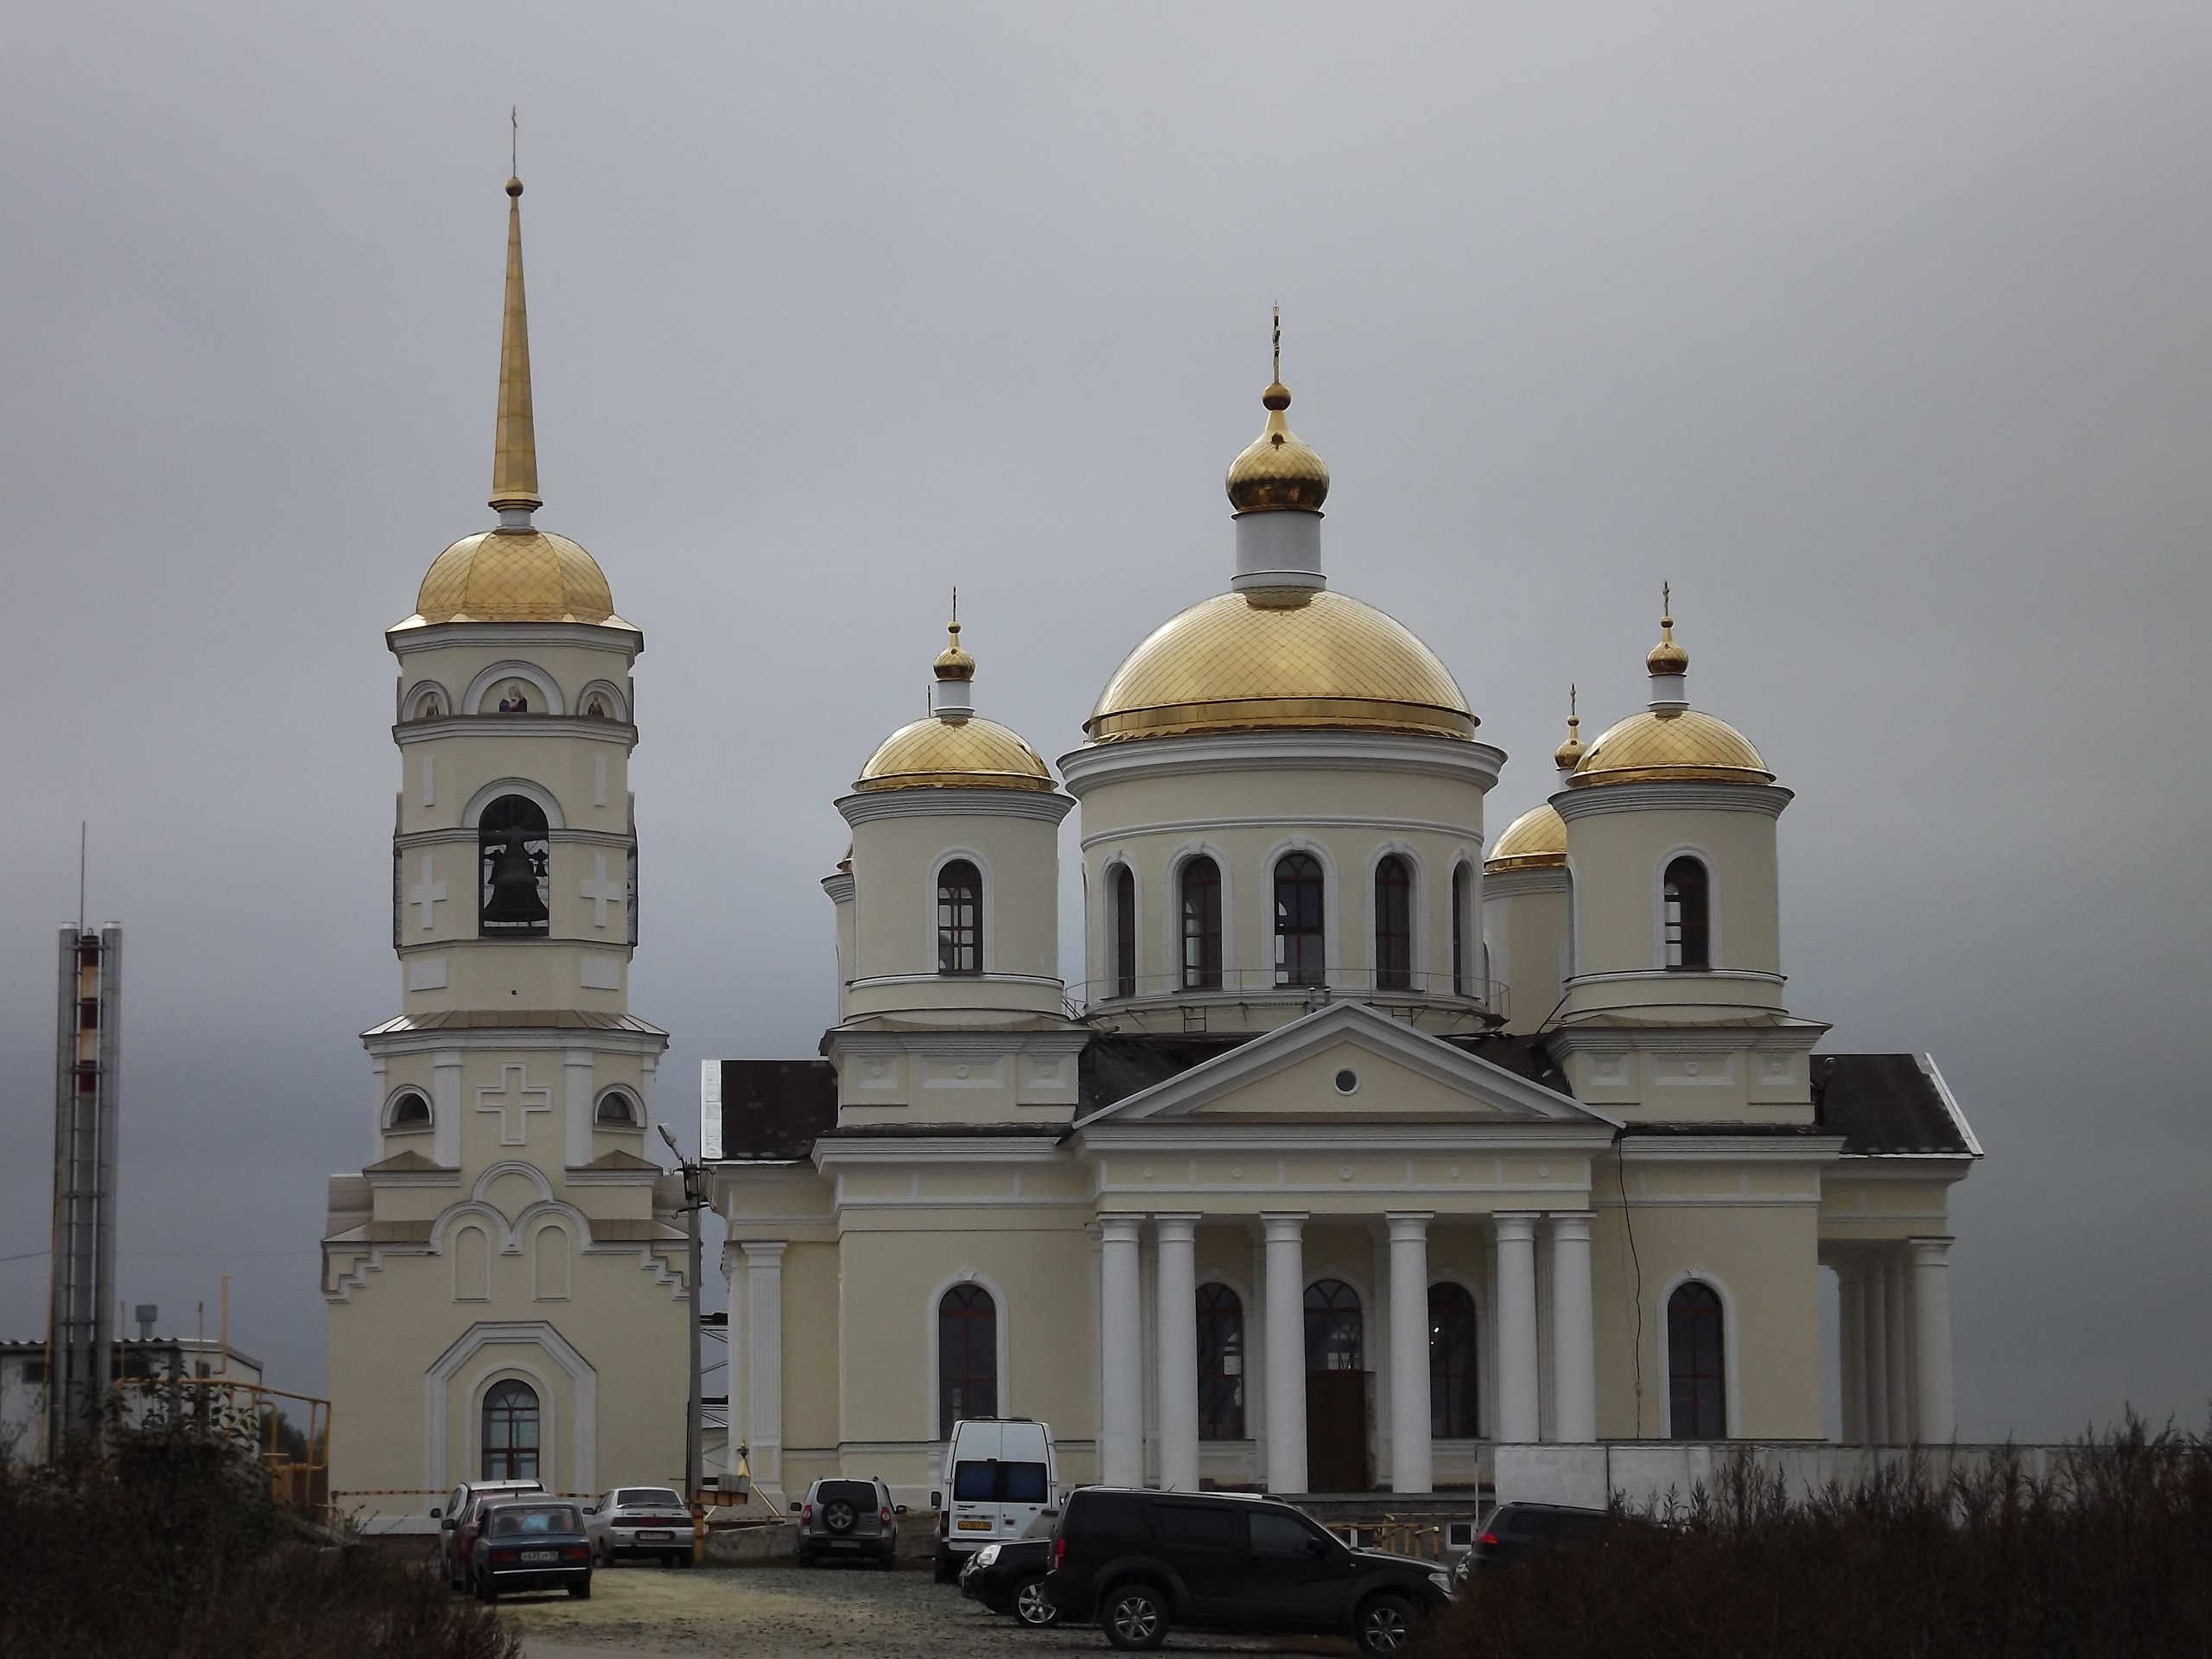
(782, 1612)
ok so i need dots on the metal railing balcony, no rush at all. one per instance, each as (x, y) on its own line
(1403, 994)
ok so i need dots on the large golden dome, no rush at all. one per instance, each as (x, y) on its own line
(1534, 841)
(1229, 664)
(505, 576)
(1671, 745)
(940, 754)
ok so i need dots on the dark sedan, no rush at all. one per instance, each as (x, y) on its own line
(1009, 1578)
(531, 1545)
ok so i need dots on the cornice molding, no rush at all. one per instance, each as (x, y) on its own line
(1797, 1036)
(1071, 1040)
(1510, 884)
(1811, 1149)
(1045, 806)
(600, 731)
(465, 835)
(1591, 800)
(616, 637)
(1456, 759)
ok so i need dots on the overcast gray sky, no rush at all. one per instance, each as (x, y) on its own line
(1881, 330)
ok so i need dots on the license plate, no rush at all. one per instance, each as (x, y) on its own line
(541, 1555)
(974, 1526)
(655, 1537)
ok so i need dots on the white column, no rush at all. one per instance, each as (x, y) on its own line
(575, 1066)
(376, 1107)
(1177, 1345)
(1935, 1405)
(1897, 1314)
(1121, 1337)
(445, 1107)
(764, 1361)
(1412, 1456)
(1517, 1417)
(1851, 1351)
(1286, 1298)
(1574, 1352)
(740, 1404)
(1873, 1292)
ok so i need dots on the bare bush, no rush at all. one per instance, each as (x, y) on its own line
(2109, 1555)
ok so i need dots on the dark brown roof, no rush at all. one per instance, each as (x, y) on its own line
(774, 1110)
(1885, 1104)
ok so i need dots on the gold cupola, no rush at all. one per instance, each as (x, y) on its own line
(516, 573)
(954, 748)
(1670, 741)
(1537, 839)
(1276, 471)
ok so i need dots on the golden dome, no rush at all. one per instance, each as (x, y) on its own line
(938, 753)
(1229, 664)
(1667, 658)
(1671, 745)
(1569, 753)
(952, 663)
(1276, 472)
(504, 575)
(1534, 841)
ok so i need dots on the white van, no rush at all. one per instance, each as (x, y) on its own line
(1000, 1481)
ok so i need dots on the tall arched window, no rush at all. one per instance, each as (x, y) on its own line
(1300, 953)
(511, 1431)
(1393, 925)
(1221, 1363)
(1125, 931)
(967, 1356)
(1697, 1380)
(514, 851)
(1688, 918)
(1335, 1334)
(959, 919)
(1201, 925)
(1451, 1401)
(1463, 887)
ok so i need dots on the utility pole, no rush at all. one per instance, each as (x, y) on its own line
(694, 1200)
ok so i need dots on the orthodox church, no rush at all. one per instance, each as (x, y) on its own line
(1364, 1145)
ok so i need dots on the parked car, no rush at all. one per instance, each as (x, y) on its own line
(1513, 1530)
(649, 1521)
(1001, 1483)
(457, 1523)
(1139, 1562)
(531, 1544)
(846, 1516)
(1010, 1579)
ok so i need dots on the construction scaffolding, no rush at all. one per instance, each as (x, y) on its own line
(80, 1331)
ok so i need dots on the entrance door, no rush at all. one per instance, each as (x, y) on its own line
(1336, 1431)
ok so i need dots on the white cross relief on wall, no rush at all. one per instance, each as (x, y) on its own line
(601, 891)
(514, 1099)
(427, 893)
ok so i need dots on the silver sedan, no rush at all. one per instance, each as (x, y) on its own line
(639, 1521)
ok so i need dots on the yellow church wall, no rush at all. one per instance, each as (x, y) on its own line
(813, 1377)
(894, 862)
(1617, 859)
(1524, 927)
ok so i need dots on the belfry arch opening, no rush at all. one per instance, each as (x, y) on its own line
(514, 856)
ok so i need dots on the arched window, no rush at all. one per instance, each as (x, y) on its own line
(616, 1111)
(1393, 925)
(1301, 958)
(1697, 1382)
(1201, 925)
(1689, 919)
(959, 919)
(1221, 1363)
(514, 851)
(967, 1356)
(429, 704)
(1334, 1328)
(511, 1431)
(1463, 887)
(1451, 1401)
(1125, 931)
(411, 1111)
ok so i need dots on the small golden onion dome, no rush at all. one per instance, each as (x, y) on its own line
(1534, 841)
(1569, 753)
(1667, 658)
(1229, 665)
(1671, 745)
(1277, 473)
(504, 575)
(952, 663)
(971, 753)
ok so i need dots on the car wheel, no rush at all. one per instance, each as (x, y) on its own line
(1032, 1607)
(944, 1568)
(1133, 1617)
(486, 1592)
(682, 1558)
(1385, 1625)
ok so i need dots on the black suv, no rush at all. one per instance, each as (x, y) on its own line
(1137, 1561)
(1513, 1530)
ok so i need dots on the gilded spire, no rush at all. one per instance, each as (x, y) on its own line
(514, 462)
(1667, 658)
(1568, 755)
(1276, 471)
(952, 663)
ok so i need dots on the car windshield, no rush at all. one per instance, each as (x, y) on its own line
(521, 1523)
(651, 1497)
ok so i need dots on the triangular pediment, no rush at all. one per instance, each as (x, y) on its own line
(1396, 1074)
